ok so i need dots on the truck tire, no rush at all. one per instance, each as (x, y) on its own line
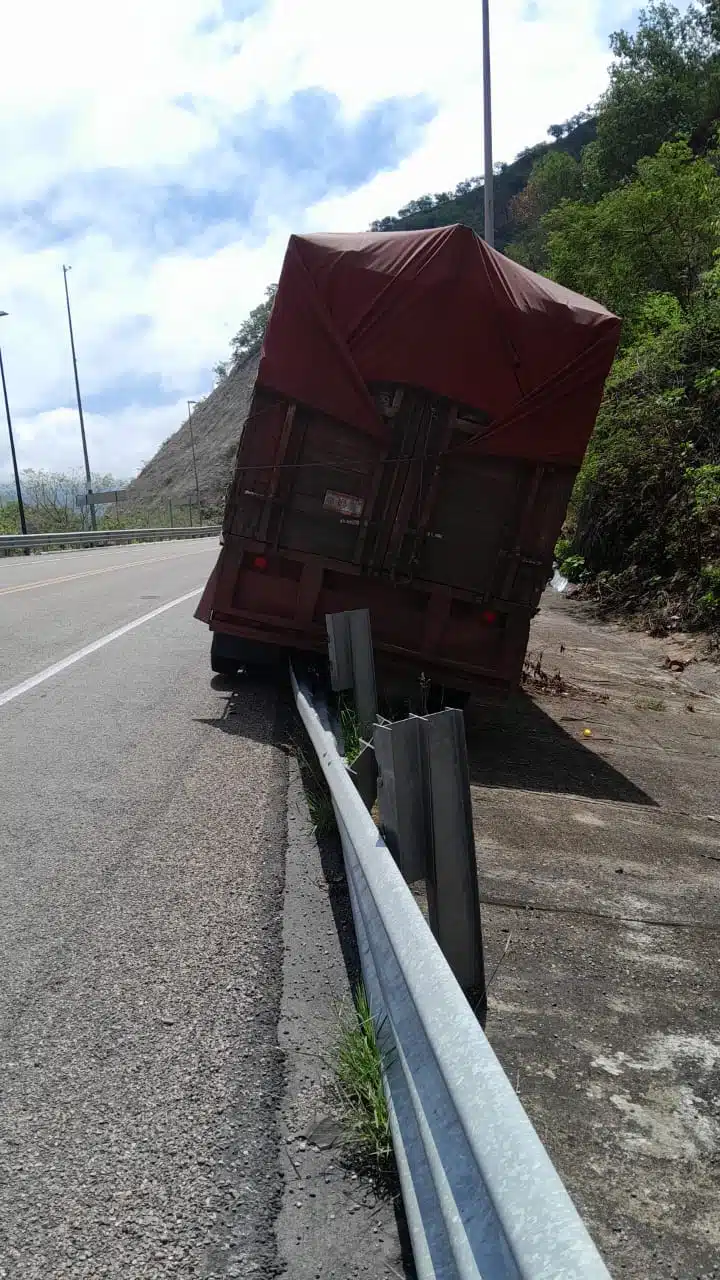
(220, 664)
(230, 654)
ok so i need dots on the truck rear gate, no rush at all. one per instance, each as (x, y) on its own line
(449, 553)
(438, 512)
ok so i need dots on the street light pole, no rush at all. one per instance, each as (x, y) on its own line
(18, 490)
(88, 476)
(489, 191)
(191, 403)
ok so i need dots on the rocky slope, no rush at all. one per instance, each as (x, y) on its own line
(217, 422)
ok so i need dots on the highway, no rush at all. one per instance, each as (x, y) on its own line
(141, 872)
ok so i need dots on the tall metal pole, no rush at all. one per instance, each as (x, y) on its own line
(88, 476)
(489, 191)
(18, 490)
(192, 442)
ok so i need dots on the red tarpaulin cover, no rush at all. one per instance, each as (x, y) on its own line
(439, 310)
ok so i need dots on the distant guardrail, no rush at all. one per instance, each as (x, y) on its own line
(482, 1197)
(101, 537)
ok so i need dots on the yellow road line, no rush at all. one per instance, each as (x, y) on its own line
(91, 573)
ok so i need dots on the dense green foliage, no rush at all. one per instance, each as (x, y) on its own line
(665, 81)
(645, 521)
(556, 176)
(658, 232)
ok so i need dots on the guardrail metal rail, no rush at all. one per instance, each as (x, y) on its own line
(482, 1197)
(101, 537)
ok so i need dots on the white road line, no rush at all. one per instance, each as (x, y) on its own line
(72, 658)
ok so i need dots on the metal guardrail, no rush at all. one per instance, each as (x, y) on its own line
(482, 1197)
(101, 537)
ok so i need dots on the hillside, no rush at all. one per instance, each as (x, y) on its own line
(465, 203)
(217, 422)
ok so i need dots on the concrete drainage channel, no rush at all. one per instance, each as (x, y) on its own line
(481, 1196)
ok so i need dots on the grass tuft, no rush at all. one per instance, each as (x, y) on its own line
(350, 729)
(316, 790)
(359, 1076)
(649, 704)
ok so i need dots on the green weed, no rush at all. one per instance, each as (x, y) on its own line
(649, 704)
(316, 790)
(350, 729)
(359, 1077)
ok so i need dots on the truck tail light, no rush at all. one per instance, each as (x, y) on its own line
(260, 562)
(489, 617)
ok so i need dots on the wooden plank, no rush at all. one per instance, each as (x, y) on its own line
(516, 554)
(426, 500)
(280, 499)
(366, 520)
(409, 423)
(276, 474)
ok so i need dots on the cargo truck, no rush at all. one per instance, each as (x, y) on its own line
(421, 410)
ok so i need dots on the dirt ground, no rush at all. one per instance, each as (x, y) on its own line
(598, 855)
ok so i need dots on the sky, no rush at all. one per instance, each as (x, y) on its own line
(166, 149)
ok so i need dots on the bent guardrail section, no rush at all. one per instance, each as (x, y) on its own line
(482, 1197)
(102, 537)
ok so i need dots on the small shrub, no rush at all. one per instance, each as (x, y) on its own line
(574, 568)
(709, 601)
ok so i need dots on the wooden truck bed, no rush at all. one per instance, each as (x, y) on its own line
(449, 552)
(422, 406)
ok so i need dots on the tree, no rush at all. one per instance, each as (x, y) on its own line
(656, 234)
(558, 131)
(49, 498)
(555, 177)
(9, 516)
(531, 153)
(249, 337)
(665, 81)
(645, 515)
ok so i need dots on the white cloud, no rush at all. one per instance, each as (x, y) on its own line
(120, 442)
(108, 89)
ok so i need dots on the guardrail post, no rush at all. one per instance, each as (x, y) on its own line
(426, 820)
(403, 796)
(352, 667)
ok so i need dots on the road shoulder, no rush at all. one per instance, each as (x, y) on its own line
(331, 1224)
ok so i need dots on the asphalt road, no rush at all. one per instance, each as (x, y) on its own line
(142, 831)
